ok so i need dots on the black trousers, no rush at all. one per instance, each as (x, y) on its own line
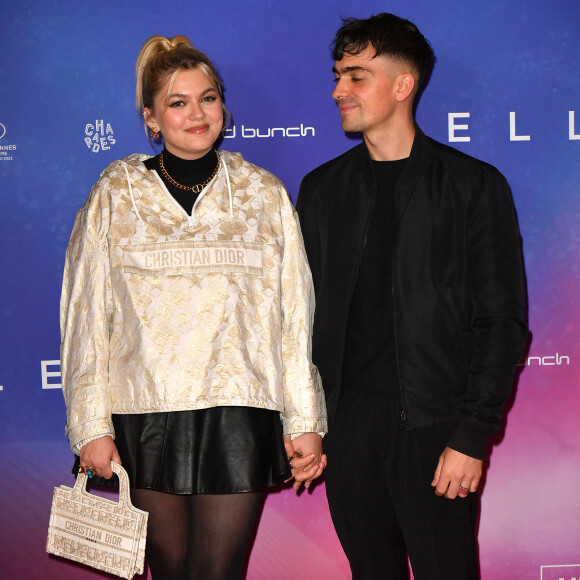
(378, 483)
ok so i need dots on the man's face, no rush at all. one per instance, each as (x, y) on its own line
(365, 91)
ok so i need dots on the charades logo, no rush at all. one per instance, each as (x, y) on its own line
(269, 132)
(560, 572)
(98, 136)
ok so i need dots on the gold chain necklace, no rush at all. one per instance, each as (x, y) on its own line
(195, 188)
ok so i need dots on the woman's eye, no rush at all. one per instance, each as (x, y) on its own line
(208, 99)
(177, 104)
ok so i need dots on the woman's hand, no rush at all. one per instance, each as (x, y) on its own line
(306, 458)
(98, 454)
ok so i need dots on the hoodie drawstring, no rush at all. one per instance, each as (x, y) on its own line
(229, 187)
(131, 195)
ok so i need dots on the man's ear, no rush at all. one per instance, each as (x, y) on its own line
(405, 87)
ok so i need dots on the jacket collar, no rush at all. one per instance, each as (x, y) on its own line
(419, 160)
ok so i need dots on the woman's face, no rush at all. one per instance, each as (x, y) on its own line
(190, 118)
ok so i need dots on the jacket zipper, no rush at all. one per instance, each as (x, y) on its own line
(403, 420)
(403, 414)
(359, 259)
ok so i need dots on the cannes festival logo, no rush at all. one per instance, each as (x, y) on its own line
(2, 130)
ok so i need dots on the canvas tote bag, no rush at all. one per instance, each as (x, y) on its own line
(96, 531)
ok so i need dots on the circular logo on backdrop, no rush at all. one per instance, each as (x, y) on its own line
(2, 130)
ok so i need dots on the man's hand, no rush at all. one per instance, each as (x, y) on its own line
(457, 474)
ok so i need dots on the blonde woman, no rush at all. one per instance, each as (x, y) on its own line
(186, 316)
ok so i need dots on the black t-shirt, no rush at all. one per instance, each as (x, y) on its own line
(370, 358)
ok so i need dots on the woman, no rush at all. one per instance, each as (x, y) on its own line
(185, 317)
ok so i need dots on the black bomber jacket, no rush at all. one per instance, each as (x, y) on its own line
(459, 299)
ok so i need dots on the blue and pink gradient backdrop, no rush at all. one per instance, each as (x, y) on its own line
(66, 65)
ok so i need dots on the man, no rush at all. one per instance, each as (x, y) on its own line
(420, 320)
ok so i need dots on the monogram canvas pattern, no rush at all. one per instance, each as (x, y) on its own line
(98, 532)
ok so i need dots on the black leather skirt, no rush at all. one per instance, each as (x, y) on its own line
(214, 451)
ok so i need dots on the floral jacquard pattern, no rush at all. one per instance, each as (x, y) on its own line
(165, 312)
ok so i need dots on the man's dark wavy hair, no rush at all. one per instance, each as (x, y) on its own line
(389, 35)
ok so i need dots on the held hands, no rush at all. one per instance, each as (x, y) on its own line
(306, 458)
(98, 455)
(457, 474)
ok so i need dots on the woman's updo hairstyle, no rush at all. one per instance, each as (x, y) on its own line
(160, 60)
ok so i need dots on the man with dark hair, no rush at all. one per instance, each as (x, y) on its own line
(421, 317)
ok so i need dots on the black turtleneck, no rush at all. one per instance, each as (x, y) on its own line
(187, 172)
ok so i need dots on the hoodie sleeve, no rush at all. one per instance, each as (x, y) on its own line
(85, 318)
(304, 405)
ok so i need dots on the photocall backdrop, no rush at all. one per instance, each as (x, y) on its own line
(505, 89)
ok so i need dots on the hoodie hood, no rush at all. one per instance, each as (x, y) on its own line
(134, 169)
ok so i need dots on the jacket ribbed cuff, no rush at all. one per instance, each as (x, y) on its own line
(470, 439)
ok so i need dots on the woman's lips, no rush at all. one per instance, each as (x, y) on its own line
(198, 129)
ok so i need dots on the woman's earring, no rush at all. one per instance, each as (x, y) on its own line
(156, 136)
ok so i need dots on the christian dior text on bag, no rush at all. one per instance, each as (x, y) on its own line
(96, 531)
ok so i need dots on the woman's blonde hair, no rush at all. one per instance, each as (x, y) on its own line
(160, 60)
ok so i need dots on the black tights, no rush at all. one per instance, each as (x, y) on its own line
(197, 536)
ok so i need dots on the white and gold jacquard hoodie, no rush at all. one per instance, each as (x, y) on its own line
(162, 311)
